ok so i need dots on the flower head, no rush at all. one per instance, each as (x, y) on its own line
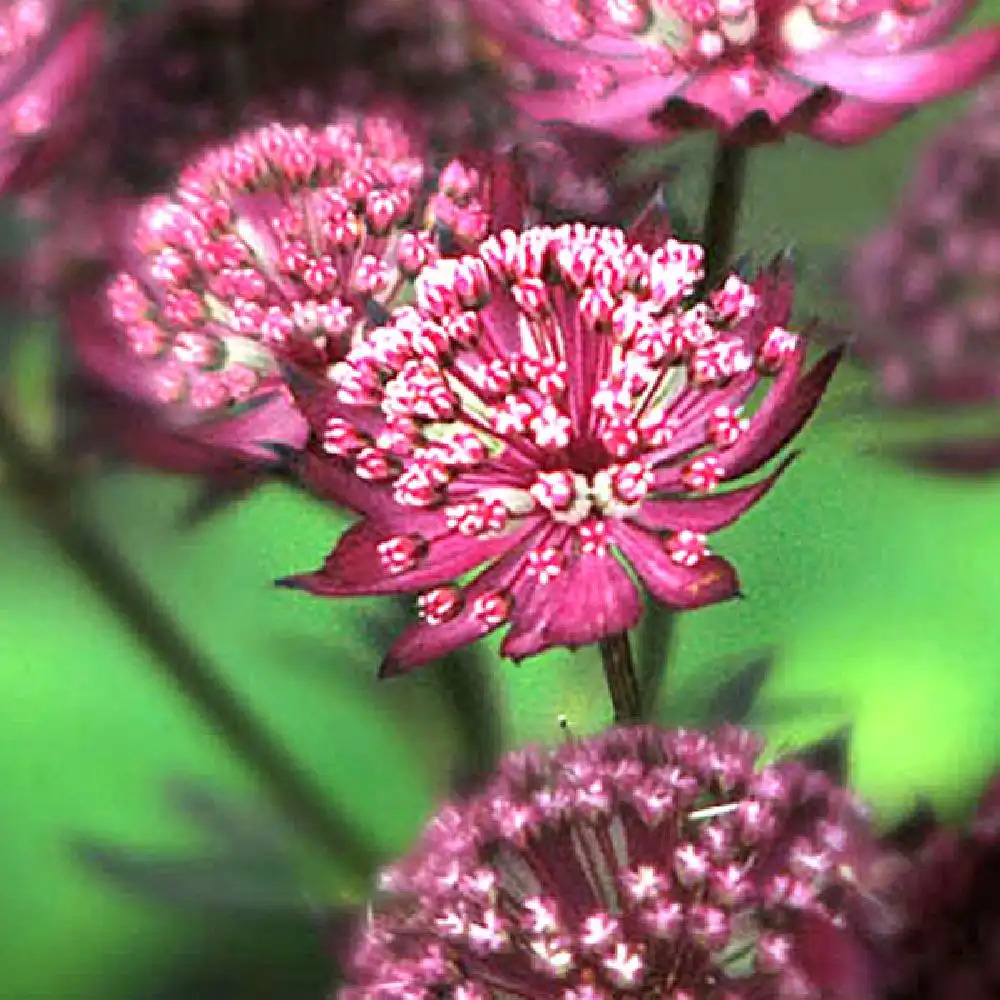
(279, 248)
(48, 54)
(640, 863)
(947, 945)
(839, 70)
(552, 409)
(925, 284)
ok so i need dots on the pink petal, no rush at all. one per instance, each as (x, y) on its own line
(706, 514)
(267, 420)
(905, 77)
(421, 643)
(718, 91)
(355, 569)
(333, 479)
(855, 121)
(627, 107)
(683, 587)
(63, 75)
(932, 26)
(784, 412)
(591, 599)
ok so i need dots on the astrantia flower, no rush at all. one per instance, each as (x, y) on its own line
(639, 863)
(925, 285)
(839, 70)
(279, 248)
(925, 289)
(48, 54)
(554, 409)
(949, 945)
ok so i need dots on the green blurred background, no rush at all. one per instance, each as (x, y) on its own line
(877, 586)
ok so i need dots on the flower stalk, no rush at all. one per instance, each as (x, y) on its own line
(619, 672)
(723, 214)
(31, 478)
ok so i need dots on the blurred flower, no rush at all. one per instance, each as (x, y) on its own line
(838, 70)
(924, 286)
(279, 248)
(637, 863)
(949, 945)
(49, 51)
(541, 403)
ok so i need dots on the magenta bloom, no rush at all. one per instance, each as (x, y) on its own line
(838, 70)
(948, 944)
(276, 249)
(554, 410)
(640, 863)
(48, 55)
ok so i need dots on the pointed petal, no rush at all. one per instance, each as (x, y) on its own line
(784, 412)
(718, 92)
(706, 514)
(683, 587)
(629, 105)
(422, 643)
(333, 479)
(591, 599)
(855, 121)
(268, 419)
(354, 568)
(317, 400)
(905, 77)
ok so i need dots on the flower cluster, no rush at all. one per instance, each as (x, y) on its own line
(639, 863)
(553, 402)
(839, 70)
(948, 944)
(925, 285)
(277, 248)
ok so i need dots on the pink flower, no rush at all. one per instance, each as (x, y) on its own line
(639, 863)
(552, 410)
(48, 54)
(838, 70)
(276, 249)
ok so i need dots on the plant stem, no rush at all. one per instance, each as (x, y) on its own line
(619, 672)
(718, 237)
(45, 497)
(723, 214)
(655, 647)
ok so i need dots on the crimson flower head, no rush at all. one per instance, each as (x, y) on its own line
(947, 946)
(555, 410)
(276, 249)
(639, 863)
(838, 70)
(49, 50)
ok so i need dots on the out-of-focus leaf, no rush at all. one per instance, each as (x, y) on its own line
(235, 826)
(956, 457)
(910, 832)
(831, 755)
(734, 698)
(262, 883)
(247, 864)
